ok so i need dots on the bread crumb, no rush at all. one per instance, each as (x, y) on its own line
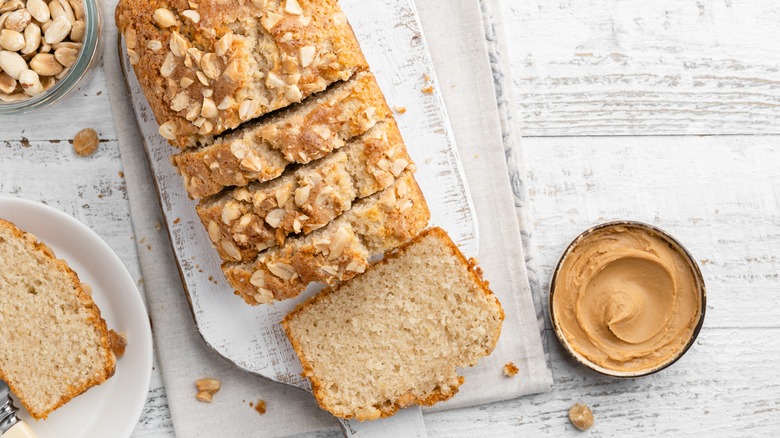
(121, 174)
(176, 221)
(118, 343)
(400, 109)
(260, 407)
(510, 369)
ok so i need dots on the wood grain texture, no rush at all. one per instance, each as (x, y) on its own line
(717, 195)
(633, 67)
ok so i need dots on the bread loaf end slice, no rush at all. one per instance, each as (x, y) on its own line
(394, 336)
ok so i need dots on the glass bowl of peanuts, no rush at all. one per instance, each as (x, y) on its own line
(47, 50)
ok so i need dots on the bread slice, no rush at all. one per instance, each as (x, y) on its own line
(53, 343)
(206, 67)
(395, 335)
(245, 221)
(300, 134)
(336, 252)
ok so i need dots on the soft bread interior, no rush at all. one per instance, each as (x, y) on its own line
(395, 335)
(53, 342)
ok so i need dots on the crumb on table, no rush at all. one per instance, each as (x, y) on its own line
(510, 369)
(260, 406)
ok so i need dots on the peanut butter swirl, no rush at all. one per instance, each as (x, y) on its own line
(627, 299)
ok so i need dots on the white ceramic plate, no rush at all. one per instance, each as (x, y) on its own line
(111, 409)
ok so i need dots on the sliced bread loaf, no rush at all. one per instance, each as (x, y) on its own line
(300, 134)
(395, 335)
(53, 343)
(247, 220)
(206, 67)
(338, 251)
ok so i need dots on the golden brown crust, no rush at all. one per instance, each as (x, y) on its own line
(439, 394)
(88, 304)
(248, 57)
(337, 252)
(300, 134)
(245, 221)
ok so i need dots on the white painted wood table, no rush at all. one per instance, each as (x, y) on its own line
(623, 105)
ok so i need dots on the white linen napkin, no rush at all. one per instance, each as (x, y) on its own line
(457, 40)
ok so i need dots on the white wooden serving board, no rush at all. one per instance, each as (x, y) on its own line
(390, 36)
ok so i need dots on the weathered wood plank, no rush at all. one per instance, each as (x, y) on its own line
(645, 68)
(723, 387)
(88, 107)
(717, 195)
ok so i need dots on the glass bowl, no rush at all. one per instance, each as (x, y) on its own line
(79, 73)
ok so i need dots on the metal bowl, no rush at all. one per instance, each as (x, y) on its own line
(672, 242)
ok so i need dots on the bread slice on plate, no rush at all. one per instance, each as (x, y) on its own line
(394, 336)
(207, 67)
(260, 151)
(336, 252)
(244, 221)
(53, 343)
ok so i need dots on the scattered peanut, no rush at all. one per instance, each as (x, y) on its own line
(86, 142)
(581, 416)
(207, 387)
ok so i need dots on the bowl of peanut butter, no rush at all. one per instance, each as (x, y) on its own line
(627, 299)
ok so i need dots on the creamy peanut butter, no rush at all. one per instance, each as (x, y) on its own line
(627, 299)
